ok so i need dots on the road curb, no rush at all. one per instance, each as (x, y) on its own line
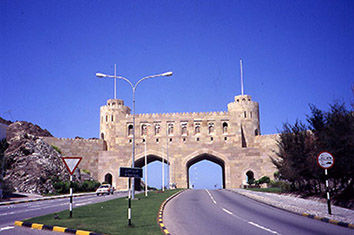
(160, 214)
(42, 199)
(330, 221)
(54, 228)
(323, 219)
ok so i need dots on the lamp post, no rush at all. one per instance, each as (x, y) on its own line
(102, 75)
(146, 167)
(163, 161)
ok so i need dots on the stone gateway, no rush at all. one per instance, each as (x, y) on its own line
(230, 139)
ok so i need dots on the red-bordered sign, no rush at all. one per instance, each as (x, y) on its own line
(71, 163)
(325, 160)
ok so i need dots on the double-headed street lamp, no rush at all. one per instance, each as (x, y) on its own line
(102, 75)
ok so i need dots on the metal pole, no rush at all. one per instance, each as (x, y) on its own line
(129, 205)
(168, 167)
(242, 92)
(145, 171)
(327, 190)
(115, 81)
(133, 158)
(71, 196)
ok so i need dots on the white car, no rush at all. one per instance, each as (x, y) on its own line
(105, 189)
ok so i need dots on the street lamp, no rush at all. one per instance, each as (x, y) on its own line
(146, 167)
(163, 162)
(102, 75)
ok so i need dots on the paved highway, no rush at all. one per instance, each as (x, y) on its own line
(10, 213)
(224, 212)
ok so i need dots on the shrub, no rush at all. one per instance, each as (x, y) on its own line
(263, 180)
(63, 187)
(56, 148)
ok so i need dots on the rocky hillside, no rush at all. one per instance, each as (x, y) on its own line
(30, 162)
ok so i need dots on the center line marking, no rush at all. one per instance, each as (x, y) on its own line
(227, 211)
(264, 228)
(211, 197)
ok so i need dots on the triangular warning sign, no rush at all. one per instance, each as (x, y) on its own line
(71, 163)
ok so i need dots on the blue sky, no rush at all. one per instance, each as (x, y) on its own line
(295, 53)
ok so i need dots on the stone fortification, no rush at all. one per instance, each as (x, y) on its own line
(88, 149)
(229, 138)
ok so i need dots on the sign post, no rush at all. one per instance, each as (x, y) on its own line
(71, 164)
(130, 173)
(325, 160)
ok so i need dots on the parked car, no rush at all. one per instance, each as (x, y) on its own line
(105, 189)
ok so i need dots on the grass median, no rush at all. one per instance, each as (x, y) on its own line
(110, 217)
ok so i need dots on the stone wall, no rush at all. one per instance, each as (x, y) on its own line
(87, 149)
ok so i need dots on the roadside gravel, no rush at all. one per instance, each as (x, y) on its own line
(300, 205)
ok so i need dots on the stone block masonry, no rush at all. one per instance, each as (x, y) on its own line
(87, 149)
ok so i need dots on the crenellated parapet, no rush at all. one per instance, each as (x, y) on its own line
(79, 140)
(187, 114)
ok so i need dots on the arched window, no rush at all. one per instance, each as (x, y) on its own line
(256, 132)
(184, 129)
(102, 136)
(211, 128)
(197, 128)
(170, 128)
(130, 130)
(224, 127)
(157, 129)
(143, 129)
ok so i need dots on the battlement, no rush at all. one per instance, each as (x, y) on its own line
(185, 114)
(51, 139)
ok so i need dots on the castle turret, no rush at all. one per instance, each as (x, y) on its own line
(110, 114)
(247, 112)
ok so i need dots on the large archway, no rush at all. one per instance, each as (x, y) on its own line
(156, 173)
(208, 157)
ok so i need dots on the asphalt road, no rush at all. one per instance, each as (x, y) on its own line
(9, 214)
(224, 212)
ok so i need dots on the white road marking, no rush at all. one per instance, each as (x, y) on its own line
(81, 204)
(211, 197)
(227, 211)
(264, 228)
(249, 222)
(6, 228)
(10, 213)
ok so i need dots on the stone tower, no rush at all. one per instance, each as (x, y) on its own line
(110, 114)
(246, 112)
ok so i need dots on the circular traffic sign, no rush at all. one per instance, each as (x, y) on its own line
(325, 160)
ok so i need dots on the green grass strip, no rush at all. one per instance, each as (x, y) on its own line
(110, 217)
(266, 190)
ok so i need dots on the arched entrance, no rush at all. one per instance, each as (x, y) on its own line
(108, 178)
(140, 162)
(208, 157)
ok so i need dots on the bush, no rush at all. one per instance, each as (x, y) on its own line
(263, 180)
(56, 148)
(63, 187)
